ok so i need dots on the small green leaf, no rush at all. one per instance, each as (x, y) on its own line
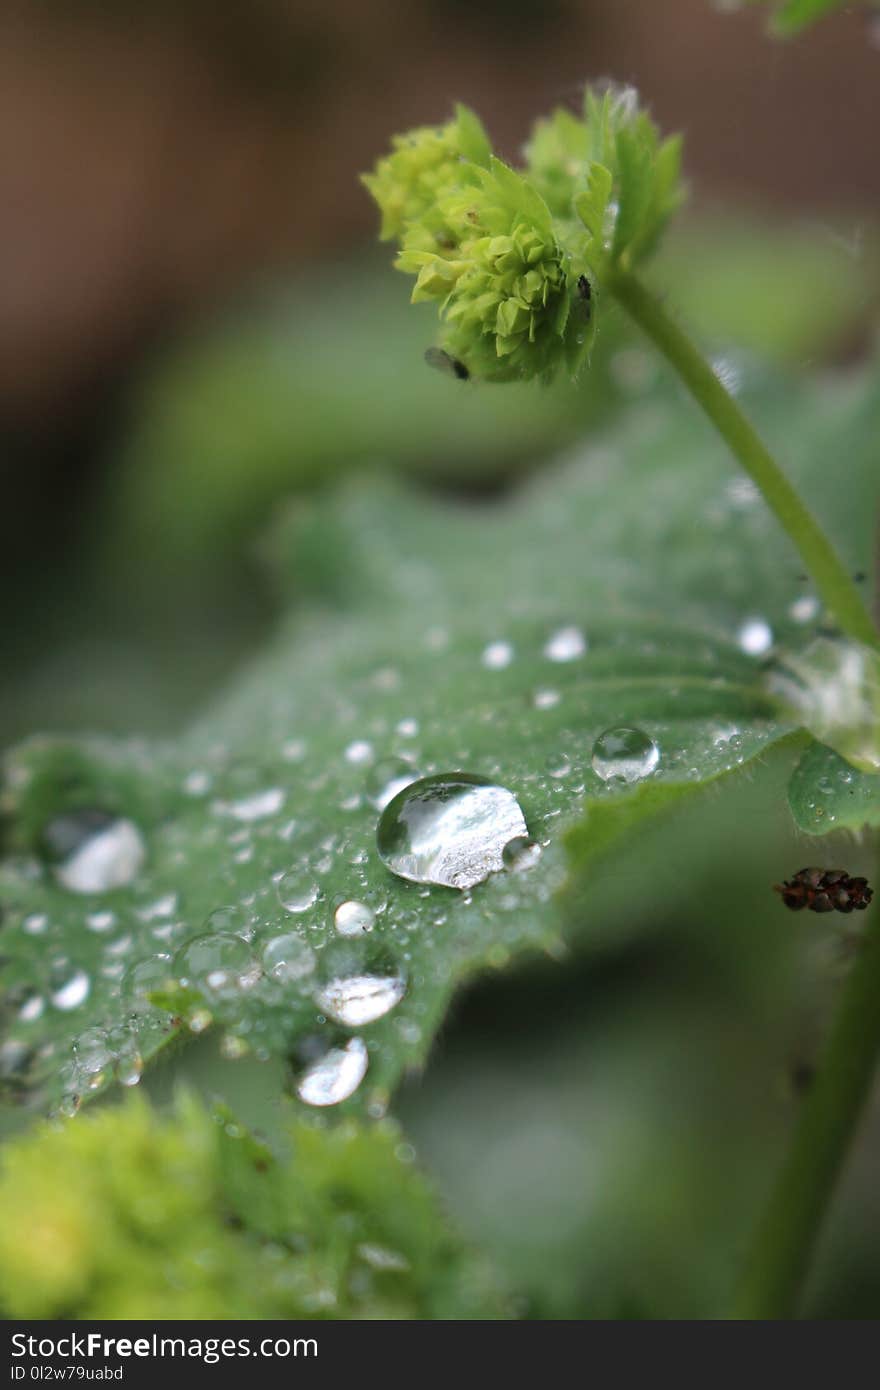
(187, 1216)
(827, 793)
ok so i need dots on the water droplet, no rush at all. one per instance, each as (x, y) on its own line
(804, 609)
(288, 958)
(259, 805)
(755, 636)
(100, 921)
(35, 923)
(497, 655)
(558, 765)
(545, 698)
(448, 829)
(359, 753)
(197, 783)
(231, 918)
(73, 988)
(353, 918)
(355, 990)
(145, 978)
(216, 962)
(567, 644)
(335, 1076)
(624, 753)
(388, 778)
(94, 852)
(129, 1067)
(377, 1257)
(520, 853)
(92, 1052)
(297, 893)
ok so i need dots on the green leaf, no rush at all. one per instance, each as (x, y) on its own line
(591, 205)
(193, 1218)
(826, 793)
(647, 543)
(792, 16)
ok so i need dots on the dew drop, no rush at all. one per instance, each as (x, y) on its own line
(359, 753)
(353, 918)
(216, 962)
(288, 958)
(567, 644)
(335, 1076)
(297, 893)
(520, 853)
(804, 609)
(388, 778)
(93, 852)
(755, 636)
(545, 698)
(558, 765)
(356, 990)
(72, 991)
(497, 655)
(145, 978)
(624, 753)
(448, 829)
(258, 806)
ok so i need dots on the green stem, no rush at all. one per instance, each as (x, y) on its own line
(792, 1219)
(833, 581)
(785, 1239)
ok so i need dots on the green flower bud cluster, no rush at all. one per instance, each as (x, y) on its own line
(513, 260)
(126, 1213)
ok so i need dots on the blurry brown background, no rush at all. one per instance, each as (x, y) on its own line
(150, 164)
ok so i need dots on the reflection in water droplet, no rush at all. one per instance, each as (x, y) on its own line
(624, 753)
(520, 854)
(353, 918)
(73, 991)
(448, 829)
(297, 893)
(356, 1000)
(215, 962)
(388, 778)
(335, 1076)
(566, 645)
(288, 958)
(755, 637)
(94, 852)
(497, 655)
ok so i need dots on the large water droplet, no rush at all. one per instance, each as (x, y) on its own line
(288, 958)
(567, 644)
(624, 753)
(449, 829)
(335, 1076)
(94, 852)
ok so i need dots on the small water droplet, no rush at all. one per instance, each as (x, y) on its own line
(93, 852)
(448, 829)
(388, 1261)
(558, 765)
(288, 958)
(360, 753)
(216, 962)
(92, 1052)
(334, 1076)
(545, 698)
(297, 893)
(73, 988)
(100, 921)
(566, 644)
(353, 918)
(624, 753)
(520, 853)
(388, 778)
(129, 1067)
(755, 636)
(146, 977)
(258, 806)
(804, 609)
(497, 655)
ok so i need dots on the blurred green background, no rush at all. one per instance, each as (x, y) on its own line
(195, 323)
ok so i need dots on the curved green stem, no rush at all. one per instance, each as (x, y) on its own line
(781, 1250)
(833, 581)
(787, 1234)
